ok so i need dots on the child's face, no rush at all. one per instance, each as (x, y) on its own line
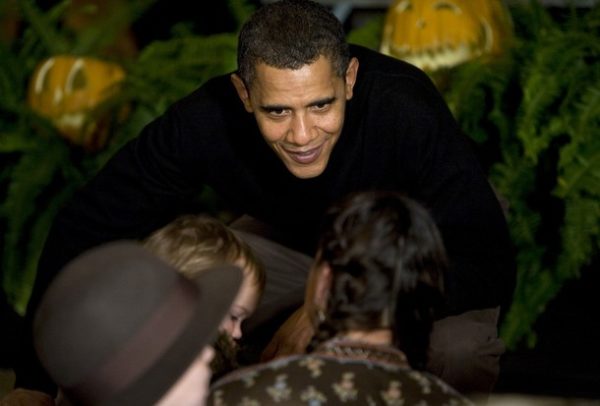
(243, 306)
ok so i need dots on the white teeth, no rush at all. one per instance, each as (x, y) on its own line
(73, 120)
(440, 58)
(304, 157)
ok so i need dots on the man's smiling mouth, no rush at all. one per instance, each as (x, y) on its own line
(305, 157)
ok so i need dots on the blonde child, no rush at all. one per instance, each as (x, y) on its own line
(194, 243)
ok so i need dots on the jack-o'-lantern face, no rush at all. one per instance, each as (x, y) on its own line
(434, 34)
(68, 90)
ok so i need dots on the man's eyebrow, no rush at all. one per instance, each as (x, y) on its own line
(273, 107)
(327, 100)
(276, 107)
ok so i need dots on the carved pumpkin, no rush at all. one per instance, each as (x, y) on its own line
(70, 91)
(435, 34)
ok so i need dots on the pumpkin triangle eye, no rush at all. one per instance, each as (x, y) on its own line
(45, 84)
(76, 79)
(443, 5)
(42, 81)
(404, 6)
(79, 80)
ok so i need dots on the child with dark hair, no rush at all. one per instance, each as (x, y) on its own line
(372, 296)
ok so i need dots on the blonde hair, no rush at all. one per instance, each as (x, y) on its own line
(193, 243)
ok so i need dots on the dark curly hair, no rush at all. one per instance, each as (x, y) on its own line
(289, 34)
(387, 260)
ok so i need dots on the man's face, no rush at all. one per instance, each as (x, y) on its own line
(300, 113)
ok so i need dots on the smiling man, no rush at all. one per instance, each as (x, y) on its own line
(305, 120)
(300, 113)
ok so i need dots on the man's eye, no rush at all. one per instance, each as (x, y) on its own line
(321, 106)
(277, 112)
(233, 317)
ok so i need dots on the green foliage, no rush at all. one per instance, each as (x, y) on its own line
(154, 80)
(40, 169)
(535, 114)
(369, 35)
(550, 169)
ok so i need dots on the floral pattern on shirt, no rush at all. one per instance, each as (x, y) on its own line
(322, 380)
(345, 389)
(393, 395)
(313, 397)
(424, 381)
(280, 390)
(313, 365)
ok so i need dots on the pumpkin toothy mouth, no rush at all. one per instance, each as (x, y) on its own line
(73, 121)
(433, 60)
(439, 56)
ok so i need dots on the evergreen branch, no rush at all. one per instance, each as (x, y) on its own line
(369, 35)
(580, 235)
(10, 80)
(15, 142)
(551, 81)
(240, 10)
(579, 163)
(43, 24)
(105, 31)
(34, 246)
(154, 76)
(31, 175)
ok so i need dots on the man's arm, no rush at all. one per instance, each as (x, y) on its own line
(450, 182)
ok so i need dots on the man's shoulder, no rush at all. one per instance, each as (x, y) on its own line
(210, 109)
(380, 75)
(217, 90)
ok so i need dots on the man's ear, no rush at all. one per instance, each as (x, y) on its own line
(351, 74)
(242, 91)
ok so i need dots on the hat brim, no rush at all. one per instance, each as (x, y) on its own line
(212, 305)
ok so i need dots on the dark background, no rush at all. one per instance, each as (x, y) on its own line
(566, 359)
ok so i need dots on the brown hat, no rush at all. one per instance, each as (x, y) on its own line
(120, 326)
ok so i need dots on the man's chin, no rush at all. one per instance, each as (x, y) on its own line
(306, 171)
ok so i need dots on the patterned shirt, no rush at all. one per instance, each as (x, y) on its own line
(332, 379)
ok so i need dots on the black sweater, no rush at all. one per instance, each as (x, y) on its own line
(398, 134)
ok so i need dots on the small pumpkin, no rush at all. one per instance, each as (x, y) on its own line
(436, 34)
(70, 90)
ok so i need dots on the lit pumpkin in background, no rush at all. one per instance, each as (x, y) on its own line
(70, 90)
(437, 34)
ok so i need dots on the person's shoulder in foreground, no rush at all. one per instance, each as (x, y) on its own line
(320, 379)
(120, 326)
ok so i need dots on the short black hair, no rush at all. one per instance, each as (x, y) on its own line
(289, 34)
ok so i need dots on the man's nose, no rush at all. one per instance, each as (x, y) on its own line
(300, 130)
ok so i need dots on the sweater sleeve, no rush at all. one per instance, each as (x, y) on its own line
(452, 182)
(439, 167)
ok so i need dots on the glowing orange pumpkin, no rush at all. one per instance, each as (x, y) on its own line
(435, 34)
(70, 90)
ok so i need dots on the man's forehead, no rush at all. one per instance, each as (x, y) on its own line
(317, 72)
